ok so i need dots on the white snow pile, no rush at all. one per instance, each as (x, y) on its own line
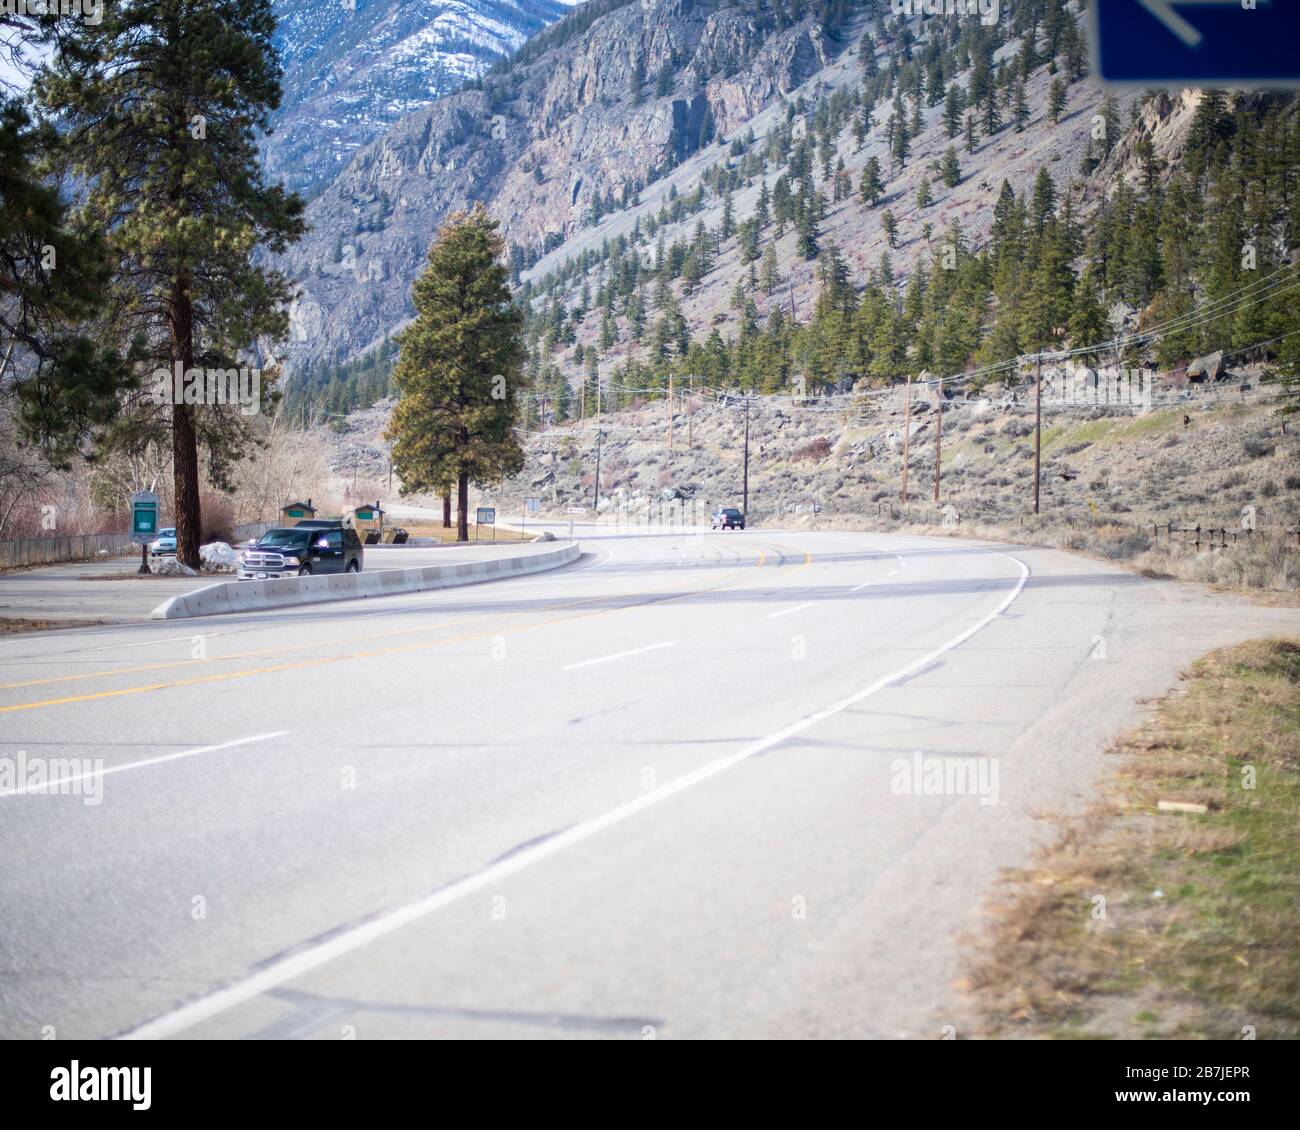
(170, 567)
(218, 557)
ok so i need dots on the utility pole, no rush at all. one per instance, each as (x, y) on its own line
(907, 433)
(582, 399)
(744, 505)
(670, 413)
(1038, 421)
(938, 441)
(599, 436)
(690, 415)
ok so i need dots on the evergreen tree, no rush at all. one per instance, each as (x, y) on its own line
(459, 373)
(924, 197)
(890, 227)
(160, 104)
(1056, 100)
(871, 186)
(782, 204)
(763, 210)
(664, 80)
(636, 81)
(1109, 122)
(770, 277)
(952, 108)
(1019, 106)
(843, 184)
(1088, 324)
(949, 169)
(53, 274)
(806, 232)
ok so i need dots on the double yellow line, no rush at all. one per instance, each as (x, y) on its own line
(496, 630)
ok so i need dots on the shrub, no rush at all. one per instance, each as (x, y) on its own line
(218, 519)
(815, 449)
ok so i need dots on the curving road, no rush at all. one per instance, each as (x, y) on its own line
(678, 789)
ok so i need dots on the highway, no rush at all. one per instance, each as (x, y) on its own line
(663, 792)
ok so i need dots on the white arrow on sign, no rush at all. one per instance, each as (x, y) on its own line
(1164, 11)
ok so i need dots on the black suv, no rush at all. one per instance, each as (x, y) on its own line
(728, 518)
(300, 551)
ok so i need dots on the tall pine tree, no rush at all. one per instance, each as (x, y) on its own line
(460, 368)
(161, 103)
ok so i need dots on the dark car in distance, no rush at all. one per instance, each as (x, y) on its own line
(300, 551)
(728, 518)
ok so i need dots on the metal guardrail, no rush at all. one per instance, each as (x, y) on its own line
(85, 547)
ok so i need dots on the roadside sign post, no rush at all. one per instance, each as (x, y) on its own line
(485, 516)
(144, 524)
(1224, 43)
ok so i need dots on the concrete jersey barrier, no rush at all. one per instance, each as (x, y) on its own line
(285, 592)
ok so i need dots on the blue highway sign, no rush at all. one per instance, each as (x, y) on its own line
(1236, 43)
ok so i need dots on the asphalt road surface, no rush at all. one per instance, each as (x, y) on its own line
(677, 789)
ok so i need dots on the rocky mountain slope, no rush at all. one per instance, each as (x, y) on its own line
(354, 67)
(605, 106)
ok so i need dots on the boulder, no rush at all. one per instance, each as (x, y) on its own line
(1207, 368)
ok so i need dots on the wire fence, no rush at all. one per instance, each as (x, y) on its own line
(19, 552)
(1211, 537)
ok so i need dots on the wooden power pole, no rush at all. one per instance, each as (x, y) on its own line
(938, 440)
(670, 413)
(744, 501)
(690, 415)
(907, 433)
(1038, 422)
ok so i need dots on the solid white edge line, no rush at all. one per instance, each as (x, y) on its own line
(305, 960)
(150, 643)
(141, 764)
(618, 655)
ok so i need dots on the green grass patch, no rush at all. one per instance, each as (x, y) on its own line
(1200, 935)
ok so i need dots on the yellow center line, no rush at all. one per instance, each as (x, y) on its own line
(374, 653)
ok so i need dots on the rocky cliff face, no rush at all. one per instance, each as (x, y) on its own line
(354, 67)
(600, 113)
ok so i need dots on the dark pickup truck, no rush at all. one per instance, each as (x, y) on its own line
(300, 551)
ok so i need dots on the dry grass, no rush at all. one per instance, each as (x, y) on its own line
(1199, 933)
(476, 533)
(12, 625)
